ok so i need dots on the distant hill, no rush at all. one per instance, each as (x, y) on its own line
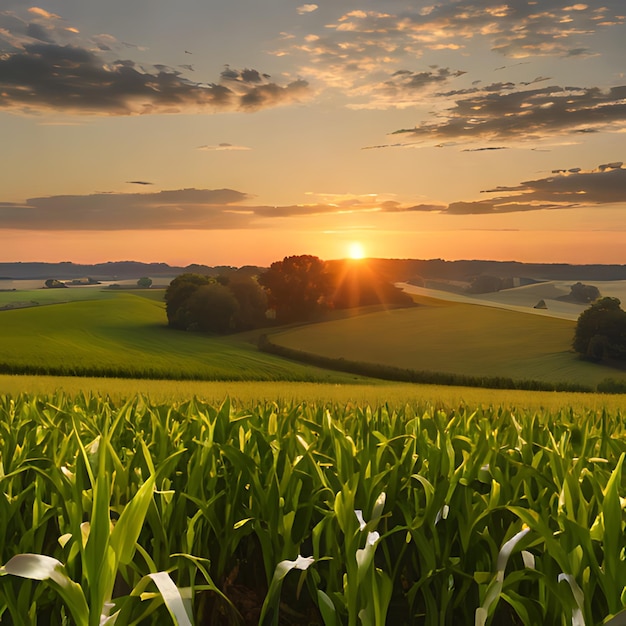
(396, 270)
(405, 270)
(112, 270)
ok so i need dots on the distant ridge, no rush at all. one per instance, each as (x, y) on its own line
(111, 270)
(395, 269)
(407, 269)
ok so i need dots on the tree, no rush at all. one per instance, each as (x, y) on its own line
(601, 331)
(211, 308)
(53, 283)
(252, 301)
(219, 304)
(580, 292)
(297, 286)
(178, 291)
(144, 282)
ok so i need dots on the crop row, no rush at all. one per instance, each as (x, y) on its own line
(285, 513)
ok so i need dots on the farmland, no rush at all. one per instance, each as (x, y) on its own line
(455, 338)
(242, 488)
(309, 513)
(124, 335)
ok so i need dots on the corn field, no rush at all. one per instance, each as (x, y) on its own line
(285, 513)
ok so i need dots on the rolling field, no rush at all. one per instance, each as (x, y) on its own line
(124, 335)
(455, 338)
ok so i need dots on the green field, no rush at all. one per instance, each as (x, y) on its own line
(40, 297)
(284, 513)
(124, 334)
(455, 338)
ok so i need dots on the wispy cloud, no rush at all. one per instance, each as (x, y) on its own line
(224, 147)
(365, 52)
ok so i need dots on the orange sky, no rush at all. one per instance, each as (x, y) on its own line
(238, 133)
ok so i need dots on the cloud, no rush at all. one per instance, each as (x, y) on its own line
(224, 147)
(484, 149)
(604, 185)
(172, 209)
(360, 46)
(182, 209)
(139, 182)
(528, 114)
(43, 13)
(404, 87)
(224, 209)
(46, 68)
(307, 8)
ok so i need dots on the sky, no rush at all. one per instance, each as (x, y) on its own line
(239, 132)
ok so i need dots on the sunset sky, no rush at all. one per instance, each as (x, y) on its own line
(241, 131)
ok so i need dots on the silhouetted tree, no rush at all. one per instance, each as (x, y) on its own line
(584, 293)
(144, 282)
(53, 283)
(601, 331)
(178, 291)
(297, 286)
(485, 284)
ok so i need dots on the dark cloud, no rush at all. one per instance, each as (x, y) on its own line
(604, 185)
(221, 209)
(67, 78)
(36, 31)
(491, 208)
(420, 80)
(182, 209)
(528, 114)
(173, 209)
(139, 182)
(486, 148)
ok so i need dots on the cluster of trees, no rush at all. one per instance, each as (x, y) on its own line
(221, 304)
(300, 287)
(579, 292)
(601, 331)
(297, 288)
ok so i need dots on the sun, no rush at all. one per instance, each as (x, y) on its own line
(356, 251)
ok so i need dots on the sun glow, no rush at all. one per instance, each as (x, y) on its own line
(356, 251)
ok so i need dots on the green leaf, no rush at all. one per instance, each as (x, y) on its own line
(45, 568)
(127, 528)
(327, 609)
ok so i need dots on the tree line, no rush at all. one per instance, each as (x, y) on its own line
(298, 288)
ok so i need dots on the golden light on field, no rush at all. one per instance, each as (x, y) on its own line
(356, 251)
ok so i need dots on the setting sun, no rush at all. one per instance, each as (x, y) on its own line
(356, 251)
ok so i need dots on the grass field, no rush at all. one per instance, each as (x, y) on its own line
(454, 338)
(40, 297)
(124, 334)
